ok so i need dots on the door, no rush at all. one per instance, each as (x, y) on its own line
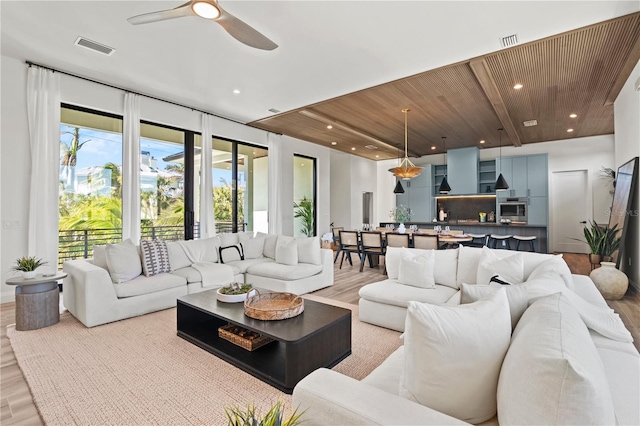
(570, 211)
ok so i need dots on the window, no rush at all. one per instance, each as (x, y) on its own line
(304, 196)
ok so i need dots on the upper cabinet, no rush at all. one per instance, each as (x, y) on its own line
(487, 177)
(418, 196)
(462, 170)
(527, 175)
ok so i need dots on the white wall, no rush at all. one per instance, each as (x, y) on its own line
(627, 128)
(341, 189)
(362, 180)
(15, 156)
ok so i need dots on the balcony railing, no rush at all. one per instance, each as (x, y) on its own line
(78, 243)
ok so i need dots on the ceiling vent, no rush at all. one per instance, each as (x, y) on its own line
(530, 123)
(371, 147)
(509, 41)
(95, 46)
(273, 110)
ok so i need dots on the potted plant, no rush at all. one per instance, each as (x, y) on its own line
(400, 214)
(235, 292)
(27, 265)
(610, 242)
(304, 210)
(594, 237)
(274, 417)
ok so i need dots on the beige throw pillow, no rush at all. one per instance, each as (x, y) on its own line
(516, 294)
(417, 269)
(123, 260)
(510, 268)
(309, 250)
(287, 251)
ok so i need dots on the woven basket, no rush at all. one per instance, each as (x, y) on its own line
(249, 340)
(273, 306)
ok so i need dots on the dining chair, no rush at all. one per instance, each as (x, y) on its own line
(349, 243)
(371, 244)
(336, 240)
(397, 240)
(426, 242)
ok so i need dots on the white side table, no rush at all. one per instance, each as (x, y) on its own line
(37, 301)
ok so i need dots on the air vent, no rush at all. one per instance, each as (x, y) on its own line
(371, 147)
(530, 123)
(273, 110)
(95, 46)
(509, 41)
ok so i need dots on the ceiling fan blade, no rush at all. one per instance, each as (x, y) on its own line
(162, 15)
(243, 32)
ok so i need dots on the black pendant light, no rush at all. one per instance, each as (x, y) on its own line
(444, 186)
(501, 183)
(398, 189)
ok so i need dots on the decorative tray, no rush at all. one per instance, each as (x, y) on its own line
(273, 306)
(246, 339)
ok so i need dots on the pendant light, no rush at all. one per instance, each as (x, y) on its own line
(444, 186)
(406, 170)
(398, 189)
(501, 183)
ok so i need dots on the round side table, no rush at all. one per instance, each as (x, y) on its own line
(37, 301)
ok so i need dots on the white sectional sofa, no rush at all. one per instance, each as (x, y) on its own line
(115, 284)
(568, 360)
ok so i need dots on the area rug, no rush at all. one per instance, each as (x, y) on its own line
(138, 371)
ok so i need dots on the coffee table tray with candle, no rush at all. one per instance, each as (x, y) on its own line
(318, 337)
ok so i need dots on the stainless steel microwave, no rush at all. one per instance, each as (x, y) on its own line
(516, 211)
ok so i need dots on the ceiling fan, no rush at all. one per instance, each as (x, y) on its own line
(210, 9)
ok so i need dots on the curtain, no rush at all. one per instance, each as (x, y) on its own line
(207, 220)
(275, 193)
(131, 168)
(43, 114)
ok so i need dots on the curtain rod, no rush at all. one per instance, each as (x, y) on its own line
(128, 90)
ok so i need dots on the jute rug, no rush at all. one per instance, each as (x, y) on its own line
(138, 372)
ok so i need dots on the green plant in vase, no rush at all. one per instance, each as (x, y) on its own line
(594, 237)
(400, 214)
(610, 242)
(27, 265)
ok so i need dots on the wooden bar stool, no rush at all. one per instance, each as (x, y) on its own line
(504, 241)
(527, 239)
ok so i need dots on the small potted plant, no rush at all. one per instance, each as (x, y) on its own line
(235, 292)
(27, 265)
(400, 214)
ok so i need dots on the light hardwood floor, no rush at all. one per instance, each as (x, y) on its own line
(16, 403)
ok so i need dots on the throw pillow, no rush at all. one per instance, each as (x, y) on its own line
(287, 251)
(231, 253)
(555, 265)
(446, 271)
(155, 257)
(453, 356)
(309, 250)
(516, 295)
(228, 239)
(417, 270)
(100, 256)
(253, 248)
(244, 236)
(468, 260)
(510, 268)
(552, 373)
(270, 242)
(205, 250)
(123, 260)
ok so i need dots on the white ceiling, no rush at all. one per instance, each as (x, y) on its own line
(327, 48)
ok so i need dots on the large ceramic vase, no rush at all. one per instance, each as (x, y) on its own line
(611, 282)
(401, 228)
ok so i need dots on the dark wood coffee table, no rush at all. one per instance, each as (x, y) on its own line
(319, 337)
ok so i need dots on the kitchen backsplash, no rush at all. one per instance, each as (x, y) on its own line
(461, 208)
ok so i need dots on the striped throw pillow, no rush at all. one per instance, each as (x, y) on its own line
(155, 257)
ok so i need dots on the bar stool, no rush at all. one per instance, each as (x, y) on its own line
(479, 240)
(504, 241)
(527, 239)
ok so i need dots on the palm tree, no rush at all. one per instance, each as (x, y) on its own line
(116, 179)
(304, 210)
(70, 156)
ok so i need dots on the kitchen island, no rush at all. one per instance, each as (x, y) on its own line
(476, 227)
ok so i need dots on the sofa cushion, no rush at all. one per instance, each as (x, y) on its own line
(123, 260)
(100, 256)
(244, 236)
(228, 239)
(253, 248)
(444, 273)
(243, 265)
(552, 373)
(309, 250)
(417, 270)
(284, 272)
(205, 250)
(287, 251)
(468, 260)
(516, 294)
(555, 265)
(510, 268)
(230, 253)
(270, 242)
(192, 275)
(177, 257)
(390, 292)
(155, 257)
(144, 285)
(453, 356)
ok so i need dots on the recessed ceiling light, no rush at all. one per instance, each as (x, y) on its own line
(334, 143)
(482, 141)
(518, 86)
(353, 149)
(302, 164)
(569, 130)
(573, 115)
(433, 147)
(236, 91)
(329, 126)
(377, 156)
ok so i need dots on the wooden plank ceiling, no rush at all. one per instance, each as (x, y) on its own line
(579, 72)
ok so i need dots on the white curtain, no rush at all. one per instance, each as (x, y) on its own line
(43, 109)
(207, 221)
(275, 192)
(131, 168)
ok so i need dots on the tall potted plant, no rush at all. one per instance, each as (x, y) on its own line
(594, 237)
(304, 211)
(610, 242)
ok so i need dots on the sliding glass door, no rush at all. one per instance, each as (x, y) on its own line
(304, 196)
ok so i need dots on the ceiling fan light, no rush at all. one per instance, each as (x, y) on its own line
(501, 183)
(444, 186)
(205, 9)
(398, 189)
